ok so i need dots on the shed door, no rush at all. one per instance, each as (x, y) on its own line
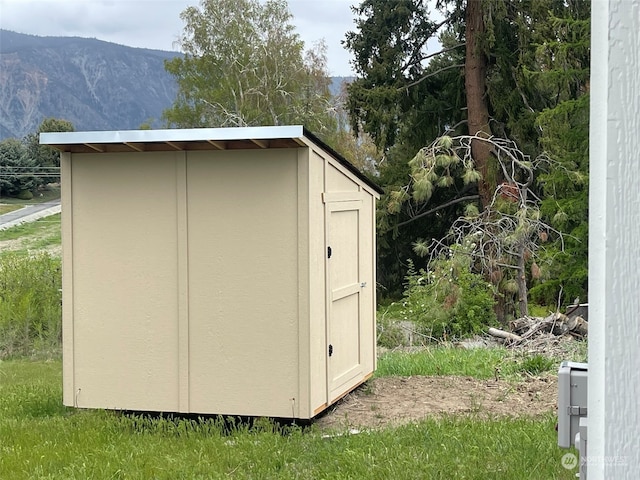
(344, 239)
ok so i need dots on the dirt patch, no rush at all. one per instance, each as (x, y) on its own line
(19, 244)
(392, 401)
(11, 245)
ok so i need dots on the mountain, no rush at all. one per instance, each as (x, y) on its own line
(335, 87)
(95, 85)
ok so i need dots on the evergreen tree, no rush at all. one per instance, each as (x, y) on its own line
(45, 158)
(16, 170)
(402, 101)
(497, 85)
(563, 52)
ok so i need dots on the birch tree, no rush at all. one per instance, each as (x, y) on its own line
(244, 64)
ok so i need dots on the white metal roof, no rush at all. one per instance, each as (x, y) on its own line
(172, 135)
(230, 138)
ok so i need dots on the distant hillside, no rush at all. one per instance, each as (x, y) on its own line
(95, 85)
(336, 84)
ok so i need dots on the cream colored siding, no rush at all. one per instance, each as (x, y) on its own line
(243, 278)
(368, 272)
(337, 180)
(303, 401)
(124, 281)
(196, 276)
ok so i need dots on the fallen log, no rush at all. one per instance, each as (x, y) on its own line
(558, 323)
(578, 326)
(502, 334)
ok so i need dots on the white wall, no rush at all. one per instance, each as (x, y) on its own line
(614, 242)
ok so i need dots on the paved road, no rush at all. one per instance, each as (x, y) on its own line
(30, 213)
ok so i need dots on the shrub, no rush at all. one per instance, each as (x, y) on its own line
(449, 300)
(25, 195)
(30, 309)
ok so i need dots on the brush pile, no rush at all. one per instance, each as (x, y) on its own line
(542, 333)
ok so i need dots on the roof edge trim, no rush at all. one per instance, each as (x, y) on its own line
(94, 140)
(172, 135)
(343, 161)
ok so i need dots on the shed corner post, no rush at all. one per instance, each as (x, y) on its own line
(66, 200)
(302, 405)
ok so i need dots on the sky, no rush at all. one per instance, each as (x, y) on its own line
(156, 23)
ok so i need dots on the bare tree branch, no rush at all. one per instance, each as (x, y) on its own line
(439, 207)
(453, 128)
(432, 74)
(444, 50)
(413, 60)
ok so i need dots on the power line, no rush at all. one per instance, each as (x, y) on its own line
(35, 175)
(4, 168)
(36, 172)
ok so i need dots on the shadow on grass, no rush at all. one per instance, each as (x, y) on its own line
(226, 425)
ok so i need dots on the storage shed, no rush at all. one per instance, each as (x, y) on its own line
(214, 271)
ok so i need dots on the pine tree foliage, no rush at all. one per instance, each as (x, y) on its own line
(403, 98)
(25, 165)
(564, 126)
(506, 239)
(391, 49)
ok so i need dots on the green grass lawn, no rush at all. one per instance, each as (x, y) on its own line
(481, 363)
(45, 440)
(42, 439)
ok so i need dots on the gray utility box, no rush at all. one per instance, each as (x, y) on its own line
(572, 401)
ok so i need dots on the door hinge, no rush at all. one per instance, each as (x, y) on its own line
(330, 349)
(328, 252)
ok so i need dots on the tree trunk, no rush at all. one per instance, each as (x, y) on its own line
(477, 109)
(500, 309)
(521, 280)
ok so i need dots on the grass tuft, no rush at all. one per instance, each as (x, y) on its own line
(30, 305)
(479, 363)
